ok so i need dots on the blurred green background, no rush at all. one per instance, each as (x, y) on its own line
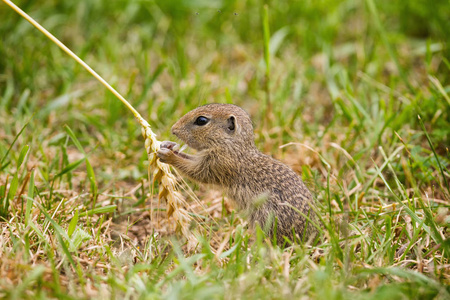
(333, 63)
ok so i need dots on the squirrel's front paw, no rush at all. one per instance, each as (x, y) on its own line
(165, 155)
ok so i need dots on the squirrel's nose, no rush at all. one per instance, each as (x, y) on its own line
(174, 129)
(178, 128)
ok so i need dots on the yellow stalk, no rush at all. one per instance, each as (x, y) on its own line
(162, 173)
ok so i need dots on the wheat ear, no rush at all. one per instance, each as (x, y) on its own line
(168, 183)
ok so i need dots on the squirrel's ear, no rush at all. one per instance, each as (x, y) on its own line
(231, 123)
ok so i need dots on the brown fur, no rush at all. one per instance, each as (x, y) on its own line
(227, 157)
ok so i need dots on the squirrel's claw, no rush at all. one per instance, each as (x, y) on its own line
(170, 145)
(164, 154)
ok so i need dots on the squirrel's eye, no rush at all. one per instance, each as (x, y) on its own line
(200, 121)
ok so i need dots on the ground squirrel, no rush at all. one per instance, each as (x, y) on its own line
(227, 157)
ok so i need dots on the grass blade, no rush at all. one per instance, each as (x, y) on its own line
(266, 33)
(14, 141)
(434, 152)
(89, 169)
(99, 210)
(70, 167)
(22, 155)
(73, 224)
(29, 198)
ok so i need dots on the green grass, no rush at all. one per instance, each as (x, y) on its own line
(343, 81)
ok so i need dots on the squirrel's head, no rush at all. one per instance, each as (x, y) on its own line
(215, 125)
